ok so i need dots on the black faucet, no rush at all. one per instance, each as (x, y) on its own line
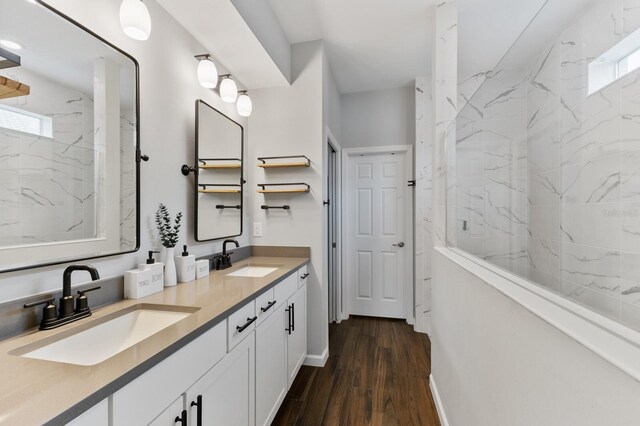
(67, 313)
(66, 301)
(223, 261)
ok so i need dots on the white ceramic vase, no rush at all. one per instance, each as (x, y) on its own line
(170, 276)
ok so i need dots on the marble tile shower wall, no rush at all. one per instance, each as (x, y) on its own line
(128, 181)
(584, 161)
(545, 158)
(47, 184)
(491, 178)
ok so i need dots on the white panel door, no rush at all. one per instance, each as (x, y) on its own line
(376, 234)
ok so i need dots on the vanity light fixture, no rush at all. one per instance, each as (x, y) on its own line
(10, 44)
(135, 19)
(228, 89)
(244, 105)
(207, 72)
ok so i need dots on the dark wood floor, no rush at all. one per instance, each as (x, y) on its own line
(377, 374)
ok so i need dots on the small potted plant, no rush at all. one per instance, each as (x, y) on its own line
(169, 230)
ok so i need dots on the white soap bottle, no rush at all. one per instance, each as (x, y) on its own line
(157, 272)
(186, 266)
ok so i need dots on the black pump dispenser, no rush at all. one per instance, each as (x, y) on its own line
(151, 260)
(185, 253)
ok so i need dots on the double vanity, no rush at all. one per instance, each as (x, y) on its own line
(220, 350)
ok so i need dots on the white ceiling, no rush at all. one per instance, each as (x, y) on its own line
(370, 44)
(379, 44)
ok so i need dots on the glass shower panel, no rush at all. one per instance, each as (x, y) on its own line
(544, 177)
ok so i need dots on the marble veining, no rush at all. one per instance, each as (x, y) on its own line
(546, 178)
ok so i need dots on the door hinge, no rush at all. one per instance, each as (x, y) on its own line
(411, 183)
(140, 157)
(334, 245)
(326, 203)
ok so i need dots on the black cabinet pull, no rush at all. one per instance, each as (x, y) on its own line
(182, 419)
(269, 306)
(293, 317)
(247, 324)
(198, 403)
(288, 329)
(304, 276)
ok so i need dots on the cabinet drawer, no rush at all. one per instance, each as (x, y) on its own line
(241, 323)
(285, 289)
(146, 397)
(265, 304)
(303, 276)
(98, 415)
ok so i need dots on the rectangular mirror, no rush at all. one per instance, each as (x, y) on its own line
(219, 174)
(69, 141)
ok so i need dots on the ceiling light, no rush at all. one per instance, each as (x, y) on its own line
(228, 89)
(10, 44)
(207, 72)
(135, 19)
(244, 104)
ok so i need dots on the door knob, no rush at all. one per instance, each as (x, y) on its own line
(400, 244)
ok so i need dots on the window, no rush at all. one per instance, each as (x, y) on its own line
(615, 63)
(629, 63)
(25, 121)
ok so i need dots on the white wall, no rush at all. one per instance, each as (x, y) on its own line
(265, 26)
(289, 121)
(378, 118)
(168, 90)
(496, 363)
(331, 104)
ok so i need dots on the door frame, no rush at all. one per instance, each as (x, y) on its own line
(333, 141)
(409, 223)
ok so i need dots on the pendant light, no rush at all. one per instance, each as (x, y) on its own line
(207, 72)
(244, 105)
(228, 89)
(135, 19)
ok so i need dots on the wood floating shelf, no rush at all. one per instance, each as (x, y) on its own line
(219, 166)
(279, 190)
(219, 189)
(222, 163)
(271, 165)
(12, 89)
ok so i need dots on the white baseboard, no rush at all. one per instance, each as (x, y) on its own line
(438, 402)
(317, 360)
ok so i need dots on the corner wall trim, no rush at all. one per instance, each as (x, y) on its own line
(438, 401)
(317, 360)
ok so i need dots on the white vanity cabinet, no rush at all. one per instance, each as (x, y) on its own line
(235, 374)
(297, 339)
(155, 392)
(98, 415)
(271, 366)
(281, 348)
(225, 395)
(172, 415)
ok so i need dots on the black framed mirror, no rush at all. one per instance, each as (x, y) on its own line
(69, 141)
(219, 161)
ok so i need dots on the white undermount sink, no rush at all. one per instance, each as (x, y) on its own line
(110, 335)
(253, 271)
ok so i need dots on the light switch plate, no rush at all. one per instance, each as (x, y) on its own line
(257, 229)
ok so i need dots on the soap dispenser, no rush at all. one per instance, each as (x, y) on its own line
(157, 272)
(186, 266)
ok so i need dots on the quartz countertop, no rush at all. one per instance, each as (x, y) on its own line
(36, 391)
